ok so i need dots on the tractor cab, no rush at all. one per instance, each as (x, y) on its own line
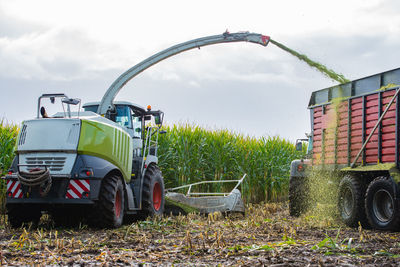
(130, 116)
(126, 114)
(133, 118)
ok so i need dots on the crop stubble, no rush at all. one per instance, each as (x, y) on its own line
(265, 236)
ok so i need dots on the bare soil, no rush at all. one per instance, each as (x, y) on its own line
(267, 235)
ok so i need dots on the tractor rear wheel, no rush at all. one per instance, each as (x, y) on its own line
(22, 214)
(381, 205)
(153, 197)
(109, 210)
(298, 195)
(351, 201)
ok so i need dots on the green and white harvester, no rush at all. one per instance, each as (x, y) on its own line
(99, 164)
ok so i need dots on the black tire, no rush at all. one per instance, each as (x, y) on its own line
(153, 198)
(298, 195)
(381, 205)
(109, 209)
(22, 214)
(351, 201)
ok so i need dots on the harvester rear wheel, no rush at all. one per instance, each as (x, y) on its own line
(109, 210)
(381, 205)
(351, 201)
(298, 195)
(22, 214)
(153, 198)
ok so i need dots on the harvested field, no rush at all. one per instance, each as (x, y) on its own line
(267, 235)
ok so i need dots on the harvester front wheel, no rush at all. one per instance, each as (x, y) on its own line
(381, 205)
(298, 195)
(153, 198)
(351, 201)
(109, 210)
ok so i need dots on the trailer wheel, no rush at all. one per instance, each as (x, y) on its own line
(109, 210)
(382, 207)
(153, 192)
(22, 214)
(298, 195)
(351, 202)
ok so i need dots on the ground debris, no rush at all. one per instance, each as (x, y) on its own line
(267, 236)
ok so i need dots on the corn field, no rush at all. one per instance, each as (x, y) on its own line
(189, 154)
(8, 136)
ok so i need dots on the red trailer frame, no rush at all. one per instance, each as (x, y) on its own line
(340, 130)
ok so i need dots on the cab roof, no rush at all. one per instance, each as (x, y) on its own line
(124, 103)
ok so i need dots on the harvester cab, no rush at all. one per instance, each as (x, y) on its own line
(143, 126)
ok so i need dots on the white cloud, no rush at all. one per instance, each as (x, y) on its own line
(55, 54)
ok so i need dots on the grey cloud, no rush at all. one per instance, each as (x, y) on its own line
(63, 68)
(54, 54)
(359, 55)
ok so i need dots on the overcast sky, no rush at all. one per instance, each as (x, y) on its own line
(81, 47)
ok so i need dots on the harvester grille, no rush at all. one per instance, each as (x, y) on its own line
(53, 163)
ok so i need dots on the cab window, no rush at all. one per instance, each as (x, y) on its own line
(91, 108)
(137, 125)
(123, 116)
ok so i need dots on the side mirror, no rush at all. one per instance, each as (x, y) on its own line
(299, 146)
(71, 101)
(147, 117)
(157, 119)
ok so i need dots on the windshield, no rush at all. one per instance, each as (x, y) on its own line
(57, 106)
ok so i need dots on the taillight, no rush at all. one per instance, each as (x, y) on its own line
(85, 173)
(300, 167)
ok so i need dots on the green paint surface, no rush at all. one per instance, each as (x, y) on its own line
(323, 69)
(375, 167)
(390, 167)
(107, 142)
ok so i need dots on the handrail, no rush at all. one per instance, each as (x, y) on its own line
(188, 193)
